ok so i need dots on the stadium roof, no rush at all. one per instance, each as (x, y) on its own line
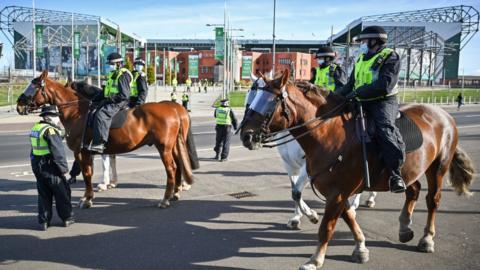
(467, 16)
(11, 14)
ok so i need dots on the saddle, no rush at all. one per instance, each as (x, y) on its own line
(118, 119)
(411, 134)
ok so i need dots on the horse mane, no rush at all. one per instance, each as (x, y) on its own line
(306, 87)
(86, 90)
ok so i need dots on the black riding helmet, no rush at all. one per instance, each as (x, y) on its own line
(114, 58)
(373, 32)
(325, 51)
(139, 61)
(49, 110)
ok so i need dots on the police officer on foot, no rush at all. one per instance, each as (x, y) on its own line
(173, 96)
(372, 82)
(185, 100)
(139, 87)
(224, 118)
(328, 74)
(49, 164)
(115, 96)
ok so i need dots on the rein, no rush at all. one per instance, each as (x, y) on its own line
(320, 118)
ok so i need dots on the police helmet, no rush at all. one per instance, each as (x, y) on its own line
(373, 32)
(139, 61)
(326, 51)
(49, 110)
(225, 102)
(114, 58)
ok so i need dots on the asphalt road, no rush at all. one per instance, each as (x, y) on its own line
(210, 229)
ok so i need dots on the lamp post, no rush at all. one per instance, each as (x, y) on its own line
(227, 53)
(273, 37)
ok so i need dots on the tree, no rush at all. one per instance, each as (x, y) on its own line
(150, 75)
(128, 64)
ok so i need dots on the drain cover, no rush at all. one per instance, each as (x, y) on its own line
(243, 194)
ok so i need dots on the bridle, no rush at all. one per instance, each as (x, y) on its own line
(30, 105)
(267, 138)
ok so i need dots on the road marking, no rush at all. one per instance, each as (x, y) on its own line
(119, 156)
(468, 126)
(472, 115)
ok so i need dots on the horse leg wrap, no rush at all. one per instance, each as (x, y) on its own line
(296, 195)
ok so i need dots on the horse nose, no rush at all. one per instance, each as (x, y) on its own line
(247, 139)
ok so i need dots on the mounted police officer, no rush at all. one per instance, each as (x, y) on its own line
(139, 88)
(224, 118)
(115, 96)
(373, 82)
(328, 74)
(49, 164)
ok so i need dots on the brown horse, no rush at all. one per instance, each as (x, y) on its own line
(326, 131)
(165, 125)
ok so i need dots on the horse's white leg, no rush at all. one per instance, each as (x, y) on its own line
(405, 233)
(360, 253)
(299, 187)
(113, 167)
(354, 202)
(294, 222)
(102, 186)
(370, 202)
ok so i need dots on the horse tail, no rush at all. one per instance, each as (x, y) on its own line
(461, 172)
(184, 153)
(192, 149)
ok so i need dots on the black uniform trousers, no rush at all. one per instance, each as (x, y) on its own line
(383, 113)
(222, 140)
(76, 169)
(103, 119)
(51, 184)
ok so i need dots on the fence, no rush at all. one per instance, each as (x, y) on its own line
(440, 96)
(9, 93)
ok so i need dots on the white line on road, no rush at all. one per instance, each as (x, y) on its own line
(98, 158)
(472, 115)
(468, 126)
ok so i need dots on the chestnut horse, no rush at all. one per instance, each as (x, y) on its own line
(165, 125)
(324, 125)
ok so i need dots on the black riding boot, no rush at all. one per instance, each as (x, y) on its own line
(397, 185)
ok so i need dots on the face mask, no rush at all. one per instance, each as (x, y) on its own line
(364, 48)
(113, 67)
(320, 61)
(138, 67)
(54, 120)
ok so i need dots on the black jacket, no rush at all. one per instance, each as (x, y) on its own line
(384, 85)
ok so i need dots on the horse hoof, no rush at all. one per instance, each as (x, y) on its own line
(314, 217)
(406, 236)
(85, 204)
(360, 256)
(426, 246)
(370, 204)
(102, 187)
(111, 186)
(164, 204)
(309, 266)
(186, 186)
(175, 197)
(294, 224)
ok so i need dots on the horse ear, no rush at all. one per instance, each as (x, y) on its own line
(44, 74)
(284, 79)
(263, 76)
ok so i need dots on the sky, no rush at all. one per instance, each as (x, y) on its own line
(295, 19)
